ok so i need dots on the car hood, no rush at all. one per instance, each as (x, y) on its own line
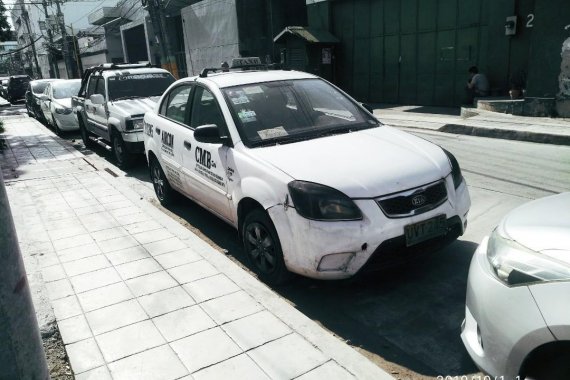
(65, 102)
(541, 225)
(361, 164)
(130, 107)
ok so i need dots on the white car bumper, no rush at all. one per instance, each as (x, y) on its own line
(66, 122)
(337, 250)
(502, 324)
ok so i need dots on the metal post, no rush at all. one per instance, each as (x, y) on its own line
(33, 43)
(78, 65)
(66, 56)
(21, 352)
(52, 72)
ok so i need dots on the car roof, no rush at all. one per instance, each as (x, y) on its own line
(137, 70)
(44, 80)
(237, 78)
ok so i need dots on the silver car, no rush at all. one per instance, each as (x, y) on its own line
(517, 315)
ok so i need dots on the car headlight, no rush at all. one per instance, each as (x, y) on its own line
(319, 202)
(455, 169)
(62, 111)
(133, 124)
(515, 265)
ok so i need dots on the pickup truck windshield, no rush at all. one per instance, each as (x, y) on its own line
(66, 89)
(138, 85)
(287, 111)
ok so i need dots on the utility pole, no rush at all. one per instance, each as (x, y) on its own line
(79, 65)
(26, 17)
(66, 54)
(52, 72)
(159, 25)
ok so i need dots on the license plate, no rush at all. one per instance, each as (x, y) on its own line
(422, 231)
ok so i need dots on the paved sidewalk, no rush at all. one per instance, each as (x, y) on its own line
(138, 296)
(477, 122)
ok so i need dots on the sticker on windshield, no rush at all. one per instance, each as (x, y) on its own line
(253, 90)
(272, 133)
(240, 100)
(247, 116)
(139, 76)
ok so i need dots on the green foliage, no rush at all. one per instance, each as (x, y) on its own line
(5, 32)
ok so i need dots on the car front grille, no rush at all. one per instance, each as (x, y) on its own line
(413, 202)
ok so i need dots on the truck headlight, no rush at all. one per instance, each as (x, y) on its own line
(455, 169)
(63, 110)
(134, 124)
(515, 265)
(319, 202)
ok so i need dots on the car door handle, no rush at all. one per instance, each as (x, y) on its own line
(187, 145)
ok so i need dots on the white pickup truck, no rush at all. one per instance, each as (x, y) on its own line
(111, 105)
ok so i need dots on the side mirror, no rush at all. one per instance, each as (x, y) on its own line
(368, 107)
(209, 134)
(97, 99)
(43, 97)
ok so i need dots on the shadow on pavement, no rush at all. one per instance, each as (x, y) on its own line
(452, 111)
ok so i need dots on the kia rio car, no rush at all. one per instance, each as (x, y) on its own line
(517, 315)
(311, 180)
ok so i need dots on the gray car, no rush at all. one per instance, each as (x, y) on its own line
(517, 316)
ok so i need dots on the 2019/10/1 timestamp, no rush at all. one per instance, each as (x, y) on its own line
(475, 377)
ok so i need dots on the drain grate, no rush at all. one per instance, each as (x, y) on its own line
(111, 172)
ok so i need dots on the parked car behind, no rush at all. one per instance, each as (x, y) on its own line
(16, 87)
(56, 105)
(517, 315)
(3, 85)
(33, 98)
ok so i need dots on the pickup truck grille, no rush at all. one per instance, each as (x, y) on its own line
(413, 202)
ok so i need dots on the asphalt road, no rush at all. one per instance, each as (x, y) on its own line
(408, 321)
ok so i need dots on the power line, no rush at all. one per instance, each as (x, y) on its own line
(22, 48)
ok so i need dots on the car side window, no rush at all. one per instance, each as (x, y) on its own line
(100, 88)
(205, 110)
(91, 86)
(176, 105)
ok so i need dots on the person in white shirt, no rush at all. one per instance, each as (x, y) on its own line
(477, 85)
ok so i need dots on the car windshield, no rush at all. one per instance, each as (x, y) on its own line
(287, 111)
(66, 89)
(39, 87)
(138, 85)
(19, 81)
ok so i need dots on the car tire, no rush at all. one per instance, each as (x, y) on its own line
(28, 110)
(552, 367)
(56, 128)
(89, 144)
(123, 157)
(263, 248)
(164, 192)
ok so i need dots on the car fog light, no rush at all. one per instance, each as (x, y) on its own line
(335, 262)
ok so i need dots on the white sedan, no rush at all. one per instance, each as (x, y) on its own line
(310, 179)
(517, 315)
(56, 104)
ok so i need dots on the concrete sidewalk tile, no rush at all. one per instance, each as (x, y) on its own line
(238, 367)
(165, 301)
(177, 258)
(129, 340)
(125, 211)
(232, 306)
(109, 233)
(204, 349)
(329, 370)
(116, 316)
(59, 289)
(152, 236)
(138, 268)
(117, 205)
(46, 259)
(74, 329)
(100, 373)
(66, 307)
(113, 196)
(133, 218)
(84, 355)
(136, 228)
(255, 330)
(181, 323)
(53, 273)
(57, 215)
(86, 265)
(287, 357)
(127, 255)
(193, 271)
(67, 232)
(94, 280)
(117, 244)
(62, 224)
(211, 287)
(87, 209)
(72, 241)
(98, 221)
(105, 296)
(150, 283)
(164, 246)
(156, 363)
(76, 253)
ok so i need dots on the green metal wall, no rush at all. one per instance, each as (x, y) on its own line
(409, 51)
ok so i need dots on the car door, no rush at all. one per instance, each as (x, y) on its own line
(169, 135)
(96, 115)
(205, 164)
(45, 104)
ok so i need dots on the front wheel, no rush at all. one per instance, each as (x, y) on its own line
(58, 130)
(162, 189)
(85, 135)
(123, 157)
(263, 249)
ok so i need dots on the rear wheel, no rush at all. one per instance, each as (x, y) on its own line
(85, 135)
(123, 157)
(549, 367)
(162, 189)
(263, 249)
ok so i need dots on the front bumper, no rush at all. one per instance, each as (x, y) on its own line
(375, 239)
(502, 324)
(66, 122)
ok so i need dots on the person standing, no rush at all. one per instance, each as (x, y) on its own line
(477, 85)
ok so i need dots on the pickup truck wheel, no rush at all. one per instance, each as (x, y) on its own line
(124, 159)
(164, 192)
(263, 249)
(85, 135)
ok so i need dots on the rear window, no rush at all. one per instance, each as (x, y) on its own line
(39, 88)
